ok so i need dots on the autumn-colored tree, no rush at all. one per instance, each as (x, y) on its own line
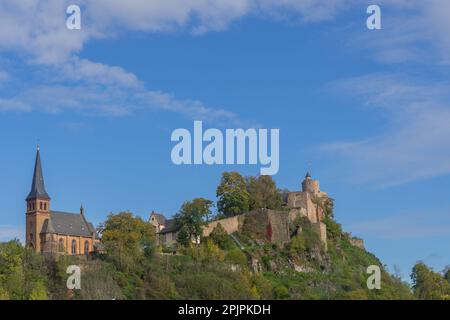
(233, 197)
(127, 238)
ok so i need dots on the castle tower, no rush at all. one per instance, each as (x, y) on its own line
(38, 207)
(310, 185)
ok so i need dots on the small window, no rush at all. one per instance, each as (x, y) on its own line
(45, 206)
(41, 206)
(86, 247)
(74, 247)
(61, 245)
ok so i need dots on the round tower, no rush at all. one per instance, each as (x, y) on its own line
(310, 185)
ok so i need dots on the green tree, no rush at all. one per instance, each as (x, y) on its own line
(192, 216)
(39, 292)
(233, 197)
(447, 273)
(3, 294)
(221, 237)
(183, 237)
(263, 193)
(428, 284)
(127, 238)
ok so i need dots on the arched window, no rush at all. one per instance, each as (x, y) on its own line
(86, 247)
(61, 245)
(40, 205)
(45, 205)
(74, 247)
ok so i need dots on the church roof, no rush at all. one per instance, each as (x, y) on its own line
(159, 217)
(170, 226)
(72, 224)
(38, 186)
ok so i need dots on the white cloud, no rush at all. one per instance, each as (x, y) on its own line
(37, 27)
(415, 144)
(35, 30)
(109, 99)
(413, 30)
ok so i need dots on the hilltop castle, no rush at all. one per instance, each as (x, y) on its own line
(50, 231)
(273, 224)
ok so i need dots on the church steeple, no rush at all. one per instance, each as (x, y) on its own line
(38, 186)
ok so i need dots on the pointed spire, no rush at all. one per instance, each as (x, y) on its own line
(38, 186)
(308, 175)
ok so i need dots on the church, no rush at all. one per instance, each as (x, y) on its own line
(55, 232)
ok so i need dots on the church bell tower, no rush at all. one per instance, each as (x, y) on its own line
(38, 208)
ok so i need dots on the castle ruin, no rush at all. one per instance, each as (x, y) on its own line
(271, 225)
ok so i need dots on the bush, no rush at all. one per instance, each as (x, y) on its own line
(221, 237)
(236, 256)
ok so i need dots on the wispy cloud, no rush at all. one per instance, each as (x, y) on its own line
(405, 226)
(414, 145)
(37, 27)
(413, 31)
(36, 30)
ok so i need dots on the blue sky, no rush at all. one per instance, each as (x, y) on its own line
(367, 112)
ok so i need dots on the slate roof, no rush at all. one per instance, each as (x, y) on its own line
(38, 186)
(170, 226)
(159, 217)
(73, 224)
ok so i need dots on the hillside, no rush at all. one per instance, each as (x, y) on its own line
(280, 245)
(216, 269)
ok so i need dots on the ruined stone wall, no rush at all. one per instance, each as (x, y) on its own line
(266, 225)
(229, 224)
(357, 243)
(321, 229)
(279, 222)
(303, 201)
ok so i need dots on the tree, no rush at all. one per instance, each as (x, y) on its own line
(428, 284)
(39, 292)
(191, 216)
(221, 237)
(447, 273)
(263, 193)
(183, 237)
(127, 238)
(233, 197)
